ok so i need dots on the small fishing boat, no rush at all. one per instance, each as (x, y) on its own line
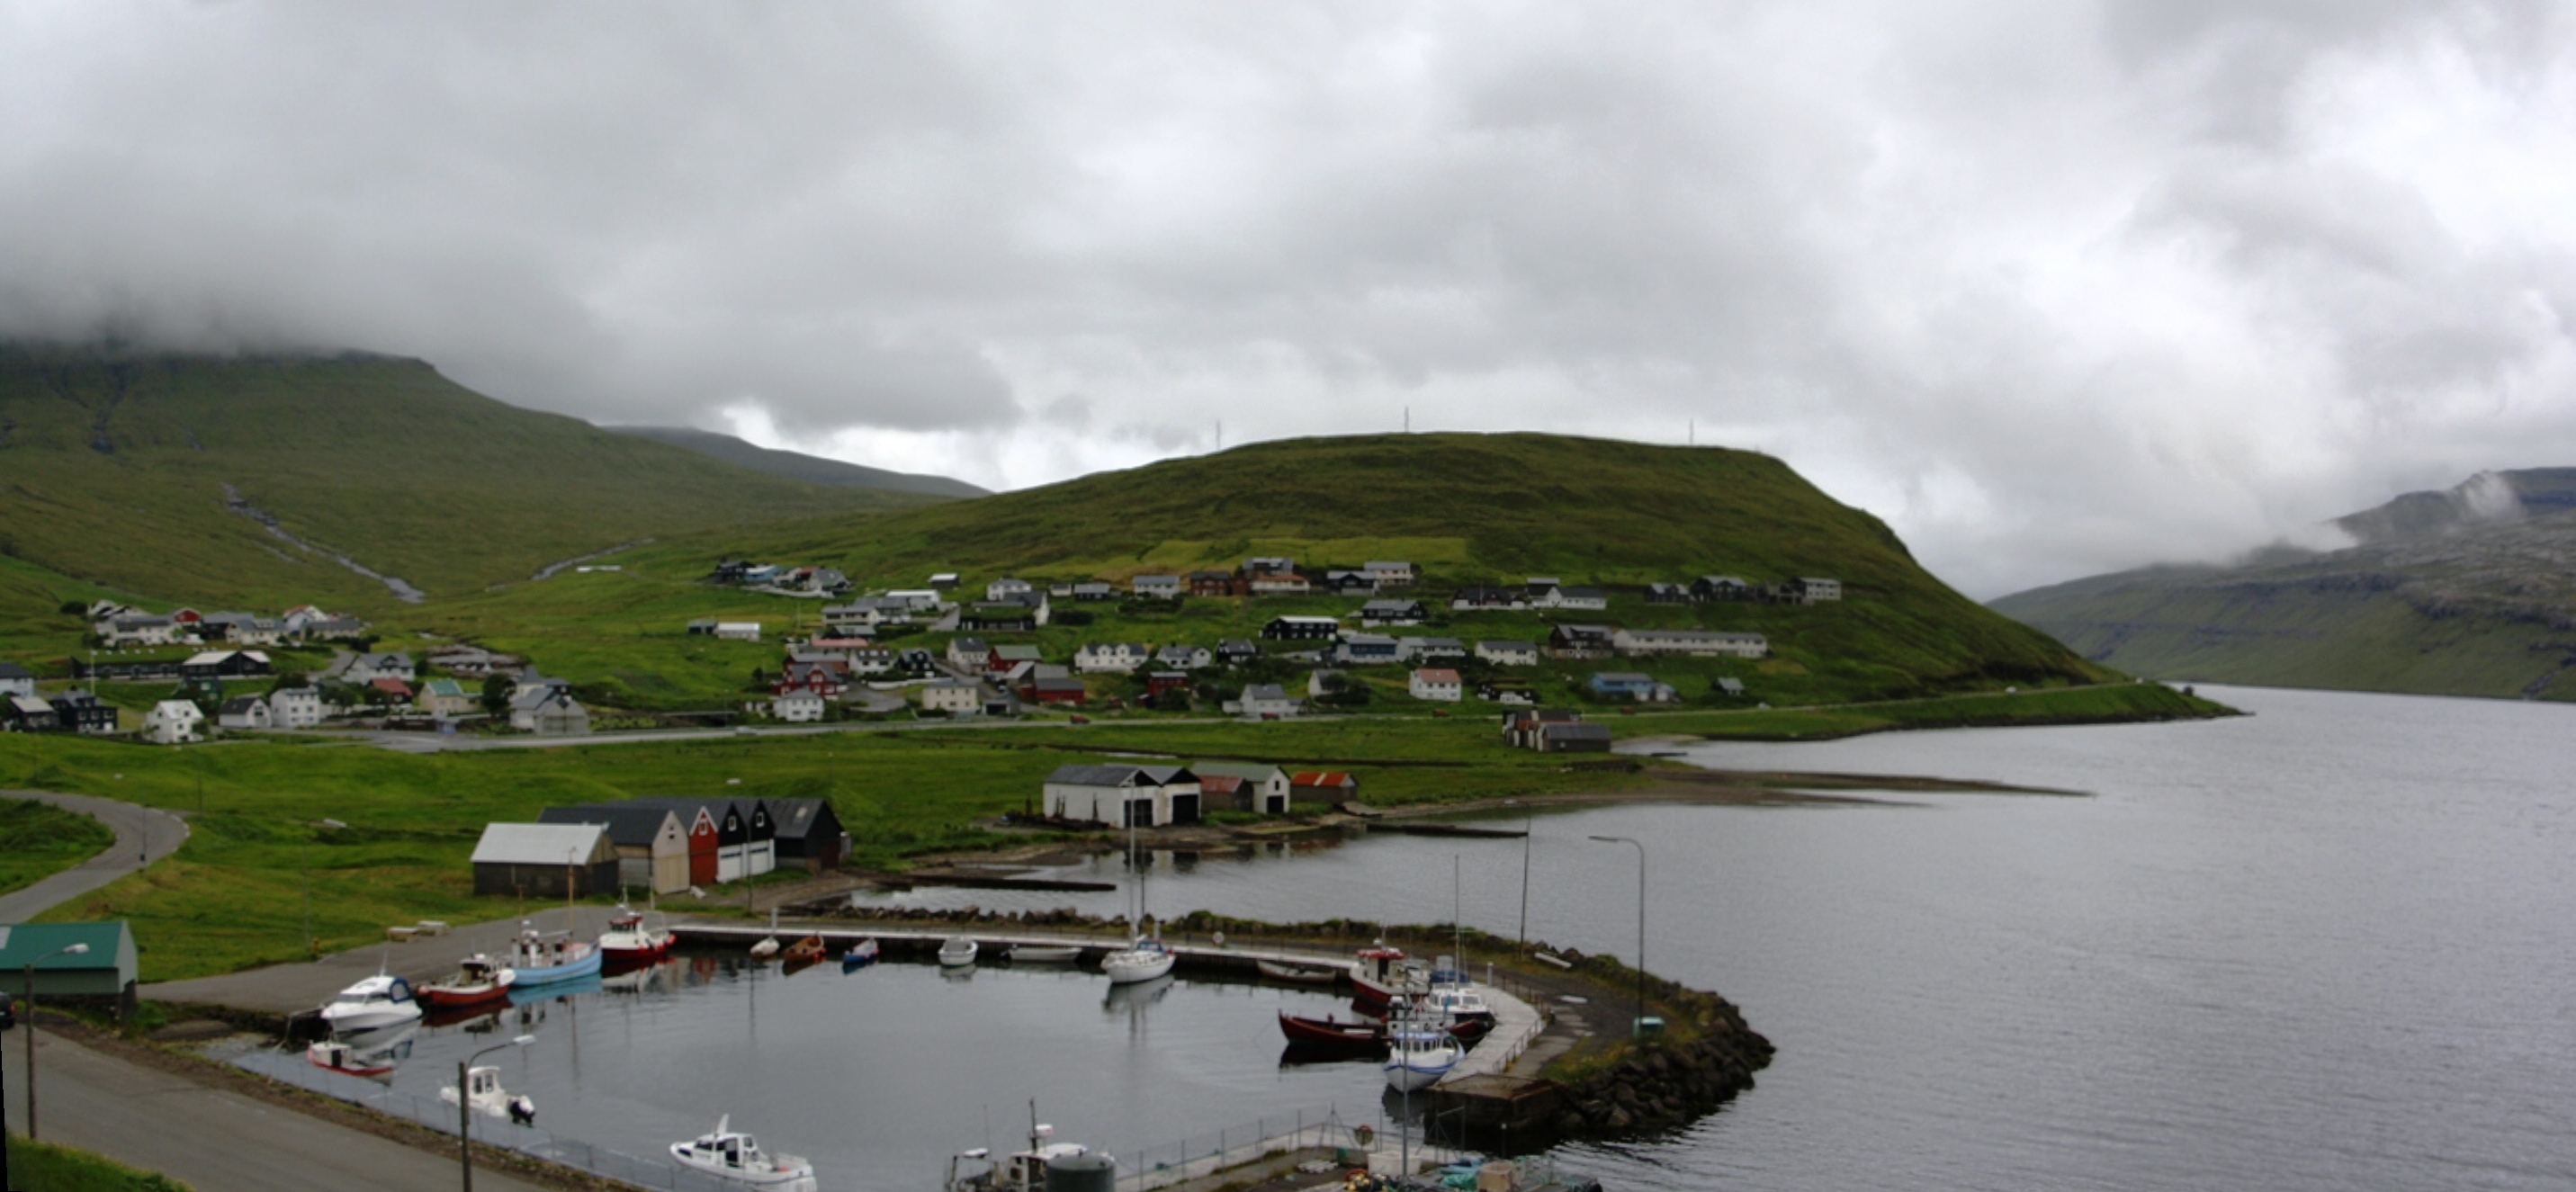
(379, 1001)
(1298, 974)
(484, 1095)
(1417, 1059)
(546, 958)
(632, 940)
(1139, 962)
(477, 980)
(1024, 1171)
(1332, 1032)
(807, 950)
(957, 952)
(1379, 975)
(769, 946)
(860, 955)
(733, 1155)
(335, 1056)
(1043, 953)
(1456, 1002)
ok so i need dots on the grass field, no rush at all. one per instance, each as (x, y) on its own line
(45, 1167)
(37, 840)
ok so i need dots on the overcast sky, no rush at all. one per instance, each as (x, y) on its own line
(2052, 286)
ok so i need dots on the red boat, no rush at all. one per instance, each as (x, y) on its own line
(341, 1057)
(1378, 975)
(480, 979)
(1332, 1032)
(629, 942)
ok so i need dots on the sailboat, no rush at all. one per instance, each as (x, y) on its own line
(1143, 959)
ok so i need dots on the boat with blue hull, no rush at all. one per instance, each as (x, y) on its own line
(548, 958)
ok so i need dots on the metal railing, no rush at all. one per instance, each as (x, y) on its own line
(291, 1069)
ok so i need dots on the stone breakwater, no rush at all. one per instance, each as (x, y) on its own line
(1706, 1056)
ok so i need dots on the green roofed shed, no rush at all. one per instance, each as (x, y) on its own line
(106, 970)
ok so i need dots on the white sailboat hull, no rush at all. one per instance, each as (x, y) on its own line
(1130, 968)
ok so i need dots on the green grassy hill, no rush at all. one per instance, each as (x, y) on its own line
(798, 466)
(2445, 597)
(143, 472)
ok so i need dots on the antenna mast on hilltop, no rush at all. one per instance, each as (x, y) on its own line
(1408, 420)
(1694, 432)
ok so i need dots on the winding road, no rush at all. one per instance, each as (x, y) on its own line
(167, 1121)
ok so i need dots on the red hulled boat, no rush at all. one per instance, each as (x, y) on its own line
(630, 942)
(478, 980)
(1379, 975)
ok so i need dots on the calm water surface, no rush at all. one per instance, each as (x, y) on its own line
(2328, 946)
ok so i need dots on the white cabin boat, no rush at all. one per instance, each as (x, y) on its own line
(736, 1156)
(484, 1095)
(373, 1004)
(1139, 962)
(1416, 1057)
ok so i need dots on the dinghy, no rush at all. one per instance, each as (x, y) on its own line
(957, 952)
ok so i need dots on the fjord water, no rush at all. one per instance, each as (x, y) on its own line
(2331, 945)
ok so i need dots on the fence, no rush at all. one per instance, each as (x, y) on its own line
(1201, 1155)
(442, 1116)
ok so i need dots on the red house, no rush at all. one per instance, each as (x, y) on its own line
(1161, 681)
(1066, 692)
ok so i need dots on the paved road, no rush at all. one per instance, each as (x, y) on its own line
(141, 834)
(213, 1139)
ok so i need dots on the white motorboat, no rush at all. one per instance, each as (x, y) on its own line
(1417, 1057)
(1141, 961)
(484, 1094)
(1457, 1003)
(379, 1001)
(957, 952)
(1043, 953)
(736, 1156)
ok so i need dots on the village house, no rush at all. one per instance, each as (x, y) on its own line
(651, 842)
(1579, 641)
(333, 629)
(1007, 588)
(1716, 589)
(798, 705)
(1520, 729)
(174, 721)
(540, 860)
(827, 682)
(548, 711)
(1347, 583)
(1159, 683)
(738, 631)
(1392, 573)
(941, 581)
(1157, 587)
(1248, 786)
(1488, 599)
(1436, 683)
(137, 629)
(918, 600)
(446, 698)
(728, 839)
(1022, 615)
(867, 612)
(956, 697)
(807, 834)
(1263, 701)
(1323, 786)
(1235, 650)
(1142, 796)
(1668, 594)
(871, 660)
(27, 714)
(1300, 628)
(224, 664)
(1693, 642)
(1812, 590)
(1507, 691)
(476, 662)
(367, 668)
(1366, 649)
(392, 689)
(1217, 583)
(1429, 649)
(1181, 657)
(1556, 595)
(1269, 565)
(1092, 590)
(1120, 657)
(1280, 583)
(243, 713)
(969, 653)
(1061, 692)
(1727, 686)
(1003, 658)
(83, 712)
(1507, 653)
(1628, 685)
(1392, 612)
(294, 707)
(16, 679)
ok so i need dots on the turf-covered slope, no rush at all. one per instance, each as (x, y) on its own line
(2442, 605)
(798, 466)
(114, 467)
(1468, 508)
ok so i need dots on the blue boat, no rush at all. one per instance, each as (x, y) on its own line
(542, 958)
(860, 956)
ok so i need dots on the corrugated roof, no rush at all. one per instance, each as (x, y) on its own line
(628, 824)
(539, 844)
(1256, 771)
(24, 942)
(1094, 775)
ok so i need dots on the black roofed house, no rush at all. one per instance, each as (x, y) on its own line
(84, 712)
(1216, 583)
(1520, 729)
(1580, 641)
(1715, 588)
(1667, 594)
(1347, 583)
(1576, 737)
(1301, 628)
(651, 842)
(27, 714)
(1392, 612)
(539, 860)
(809, 834)
(16, 679)
(244, 712)
(1480, 598)
(1809, 589)
(1236, 649)
(224, 664)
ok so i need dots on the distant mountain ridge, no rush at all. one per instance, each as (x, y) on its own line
(2465, 591)
(798, 466)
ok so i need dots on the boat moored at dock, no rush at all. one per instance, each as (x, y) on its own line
(633, 939)
(478, 979)
(738, 1158)
(379, 1001)
(547, 958)
(957, 952)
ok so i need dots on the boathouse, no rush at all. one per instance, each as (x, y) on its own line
(698, 822)
(652, 846)
(1144, 796)
(104, 973)
(537, 860)
(1323, 786)
(809, 834)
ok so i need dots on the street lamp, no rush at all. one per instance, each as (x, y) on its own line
(1639, 1026)
(465, 1105)
(30, 1041)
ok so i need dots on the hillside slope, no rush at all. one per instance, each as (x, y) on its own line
(2466, 592)
(1468, 508)
(246, 480)
(799, 466)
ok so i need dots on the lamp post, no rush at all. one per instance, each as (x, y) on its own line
(1640, 1024)
(465, 1105)
(30, 1042)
